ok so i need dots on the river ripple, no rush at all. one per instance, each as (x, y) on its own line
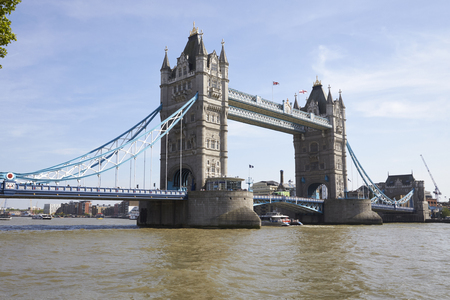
(112, 258)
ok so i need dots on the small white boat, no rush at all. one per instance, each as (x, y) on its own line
(47, 217)
(274, 219)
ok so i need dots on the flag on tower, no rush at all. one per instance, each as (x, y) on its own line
(301, 91)
(276, 83)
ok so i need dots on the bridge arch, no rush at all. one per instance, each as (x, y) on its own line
(318, 190)
(187, 179)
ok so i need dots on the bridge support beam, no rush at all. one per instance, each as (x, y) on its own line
(350, 211)
(203, 209)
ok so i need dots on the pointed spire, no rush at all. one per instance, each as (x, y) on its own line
(223, 57)
(166, 64)
(329, 98)
(340, 99)
(296, 103)
(201, 48)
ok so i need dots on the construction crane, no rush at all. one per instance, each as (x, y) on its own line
(436, 192)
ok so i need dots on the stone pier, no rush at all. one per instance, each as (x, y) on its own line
(203, 209)
(351, 212)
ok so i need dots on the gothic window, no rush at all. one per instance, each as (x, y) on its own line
(207, 143)
(190, 85)
(184, 71)
(213, 169)
(212, 118)
(214, 67)
(207, 118)
(218, 164)
(217, 145)
(214, 83)
(179, 72)
(213, 144)
(207, 162)
(217, 120)
(313, 147)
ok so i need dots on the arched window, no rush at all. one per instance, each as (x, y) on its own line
(313, 147)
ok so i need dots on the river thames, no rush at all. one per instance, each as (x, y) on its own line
(114, 259)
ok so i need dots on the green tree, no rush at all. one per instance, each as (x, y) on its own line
(445, 212)
(6, 35)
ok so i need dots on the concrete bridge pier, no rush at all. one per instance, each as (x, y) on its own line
(350, 211)
(203, 209)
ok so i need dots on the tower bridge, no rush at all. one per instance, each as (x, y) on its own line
(196, 104)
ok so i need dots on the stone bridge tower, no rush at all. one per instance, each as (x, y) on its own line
(320, 155)
(202, 137)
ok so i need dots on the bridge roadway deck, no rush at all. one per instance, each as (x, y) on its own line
(11, 189)
(22, 190)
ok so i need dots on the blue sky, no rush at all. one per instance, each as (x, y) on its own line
(82, 72)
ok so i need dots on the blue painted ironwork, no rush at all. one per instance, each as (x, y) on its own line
(247, 116)
(379, 195)
(111, 155)
(13, 189)
(241, 103)
(385, 207)
(308, 205)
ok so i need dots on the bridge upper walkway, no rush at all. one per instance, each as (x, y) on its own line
(255, 110)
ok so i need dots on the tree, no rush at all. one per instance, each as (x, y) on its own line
(6, 35)
(445, 212)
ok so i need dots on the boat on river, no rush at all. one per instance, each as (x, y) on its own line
(42, 217)
(274, 218)
(5, 217)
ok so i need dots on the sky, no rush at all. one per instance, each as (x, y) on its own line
(82, 72)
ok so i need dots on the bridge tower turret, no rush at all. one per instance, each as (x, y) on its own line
(320, 155)
(203, 133)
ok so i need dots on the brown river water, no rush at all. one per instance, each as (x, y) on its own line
(114, 259)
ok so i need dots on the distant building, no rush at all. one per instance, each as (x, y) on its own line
(265, 187)
(84, 208)
(398, 186)
(51, 208)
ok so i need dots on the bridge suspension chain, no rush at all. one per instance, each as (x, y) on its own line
(111, 155)
(379, 195)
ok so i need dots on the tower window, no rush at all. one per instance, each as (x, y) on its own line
(314, 147)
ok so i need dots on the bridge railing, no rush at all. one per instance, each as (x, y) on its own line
(392, 207)
(275, 107)
(38, 189)
(249, 115)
